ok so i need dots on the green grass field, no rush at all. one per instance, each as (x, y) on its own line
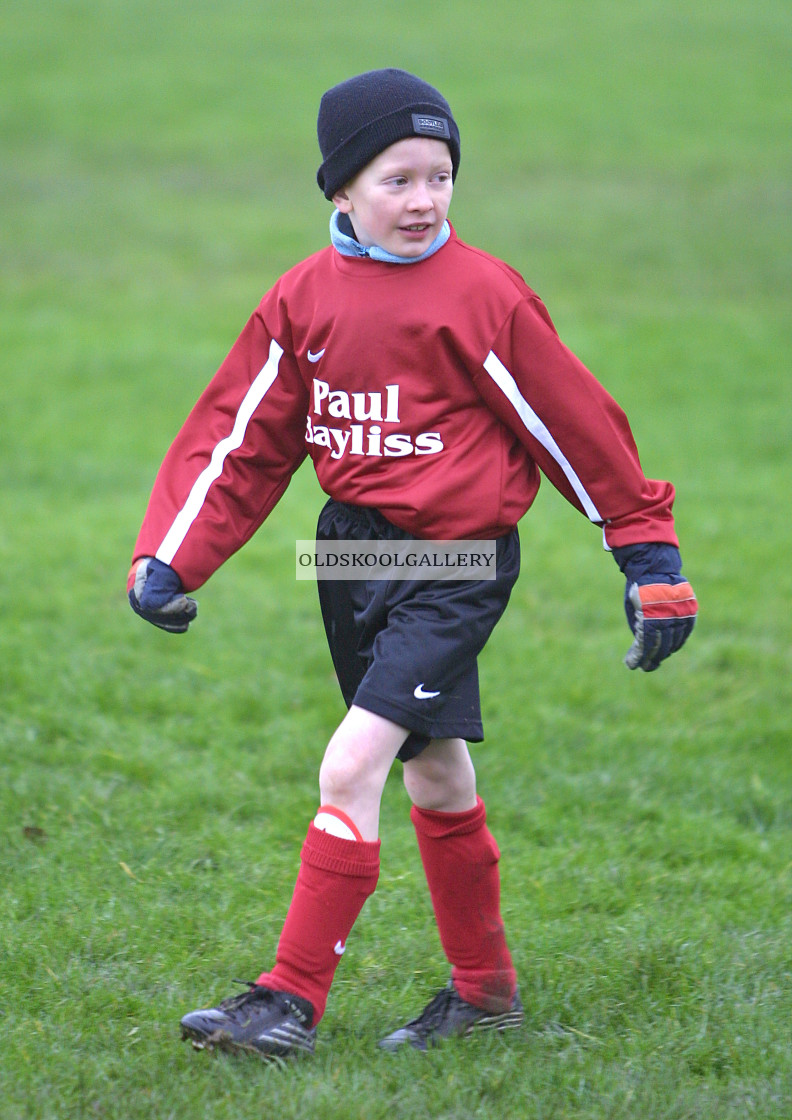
(632, 159)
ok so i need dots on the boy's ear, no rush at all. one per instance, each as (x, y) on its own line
(342, 202)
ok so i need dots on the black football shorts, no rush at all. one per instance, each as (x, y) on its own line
(408, 650)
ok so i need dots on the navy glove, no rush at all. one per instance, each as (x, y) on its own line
(158, 596)
(659, 602)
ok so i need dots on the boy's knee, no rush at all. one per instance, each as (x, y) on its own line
(441, 777)
(340, 775)
(361, 751)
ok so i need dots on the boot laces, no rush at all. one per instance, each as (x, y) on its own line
(255, 994)
(436, 1011)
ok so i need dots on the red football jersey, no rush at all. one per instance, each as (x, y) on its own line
(435, 392)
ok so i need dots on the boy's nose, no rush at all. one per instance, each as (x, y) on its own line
(421, 199)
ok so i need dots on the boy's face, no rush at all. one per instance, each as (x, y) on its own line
(400, 200)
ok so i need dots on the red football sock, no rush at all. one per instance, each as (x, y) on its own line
(336, 877)
(460, 858)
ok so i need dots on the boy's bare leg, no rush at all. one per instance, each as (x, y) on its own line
(356, 765)
(442, 777)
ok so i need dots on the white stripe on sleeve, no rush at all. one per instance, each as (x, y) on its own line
(192, 507)
(508, 386)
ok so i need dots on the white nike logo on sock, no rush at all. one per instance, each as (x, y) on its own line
(339, 948)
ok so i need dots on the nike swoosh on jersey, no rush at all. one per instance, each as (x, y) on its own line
(339, 948)
(314, 356)
(419, 693)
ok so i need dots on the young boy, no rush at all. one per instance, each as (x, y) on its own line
(428, 385)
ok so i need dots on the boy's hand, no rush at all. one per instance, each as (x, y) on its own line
(660, 604)
(158, 596)
(661, 616)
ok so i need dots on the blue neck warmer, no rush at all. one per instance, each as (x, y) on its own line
(348, 246)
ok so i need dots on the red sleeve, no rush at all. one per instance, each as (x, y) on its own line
(573, 429)
(232, 459)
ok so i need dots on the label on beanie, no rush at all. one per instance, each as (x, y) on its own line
(431, 126)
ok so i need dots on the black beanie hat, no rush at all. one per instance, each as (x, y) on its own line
(364, 115)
